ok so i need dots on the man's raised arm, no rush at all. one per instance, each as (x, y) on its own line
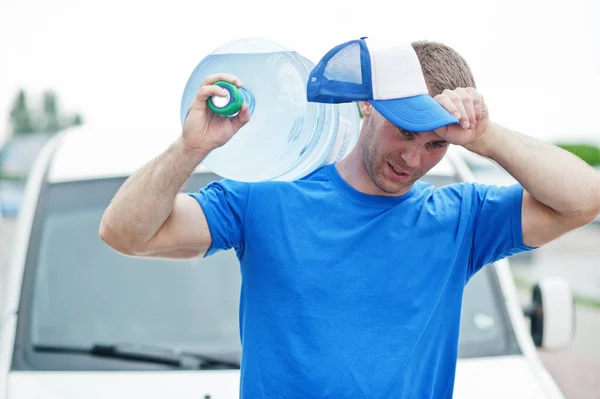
(561, 191)
(148, 216)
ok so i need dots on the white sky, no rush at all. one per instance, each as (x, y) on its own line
(124, 64)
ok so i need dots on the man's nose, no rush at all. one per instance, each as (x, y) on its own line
(411, 157)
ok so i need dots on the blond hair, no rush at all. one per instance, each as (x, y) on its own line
(443, 67)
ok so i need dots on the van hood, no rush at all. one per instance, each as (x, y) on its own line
(221, 384)
(508, 377)
(503, 377)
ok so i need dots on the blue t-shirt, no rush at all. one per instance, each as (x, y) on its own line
(350, 295)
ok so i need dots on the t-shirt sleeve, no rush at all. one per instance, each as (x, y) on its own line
(497, 230)
(224, 205)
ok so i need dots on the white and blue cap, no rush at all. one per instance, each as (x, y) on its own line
(389, 76)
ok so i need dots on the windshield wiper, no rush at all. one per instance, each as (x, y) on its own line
(144, 353)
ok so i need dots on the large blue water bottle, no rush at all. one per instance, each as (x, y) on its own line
(287, 137)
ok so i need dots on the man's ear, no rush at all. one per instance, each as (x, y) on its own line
(365, 108)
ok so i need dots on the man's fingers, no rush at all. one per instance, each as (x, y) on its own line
(466, 98)
(455, 108)
(241, 118)
(477, 103)
(467, 103)
(465, 123)
(208, 91)
(211, 79)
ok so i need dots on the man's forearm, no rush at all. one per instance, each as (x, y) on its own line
(145, 200)
(553, 176)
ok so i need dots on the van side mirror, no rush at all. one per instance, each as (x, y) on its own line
(552, 314)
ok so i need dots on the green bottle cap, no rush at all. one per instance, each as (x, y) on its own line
(229, 105)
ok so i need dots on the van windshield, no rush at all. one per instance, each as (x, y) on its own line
(78, 292)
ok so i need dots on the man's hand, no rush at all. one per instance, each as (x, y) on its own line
(204, 130)
(467, 105)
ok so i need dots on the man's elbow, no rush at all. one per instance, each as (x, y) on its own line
(588, 213)
(111, 238)
(594, 211)
(594, 202)
(586, 209)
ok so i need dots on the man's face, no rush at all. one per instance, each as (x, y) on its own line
(394, 158)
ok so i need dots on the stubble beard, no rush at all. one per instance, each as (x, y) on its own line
(376, 169)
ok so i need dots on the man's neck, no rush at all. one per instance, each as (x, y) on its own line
(353, 171)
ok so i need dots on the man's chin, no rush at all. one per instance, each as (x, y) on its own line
(394, 188)
(391, 185)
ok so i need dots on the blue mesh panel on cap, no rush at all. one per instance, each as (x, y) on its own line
(342, 75)
(344, 66)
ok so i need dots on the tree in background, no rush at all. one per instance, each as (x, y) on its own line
(49, 119)
(29, 129)
(587, 152)
(21, 117)
(77, 120)
(50, 113)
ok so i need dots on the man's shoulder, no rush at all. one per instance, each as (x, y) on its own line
(311, 179)
(465, 187)
(452, 190)
(455, 194)
(307, 182)
(475, 193)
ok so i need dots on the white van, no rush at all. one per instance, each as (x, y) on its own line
(78, 320)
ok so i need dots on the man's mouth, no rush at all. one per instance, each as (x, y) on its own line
(397, 172)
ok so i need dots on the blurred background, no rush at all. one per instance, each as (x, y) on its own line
(121, 67)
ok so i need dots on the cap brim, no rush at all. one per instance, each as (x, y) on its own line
(420, 113)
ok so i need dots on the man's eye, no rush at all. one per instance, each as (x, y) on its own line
(438, 144)
(406, 134)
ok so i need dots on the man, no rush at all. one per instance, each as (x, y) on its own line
(352, 277)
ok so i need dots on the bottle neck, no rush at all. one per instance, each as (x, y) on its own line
(230, 104)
